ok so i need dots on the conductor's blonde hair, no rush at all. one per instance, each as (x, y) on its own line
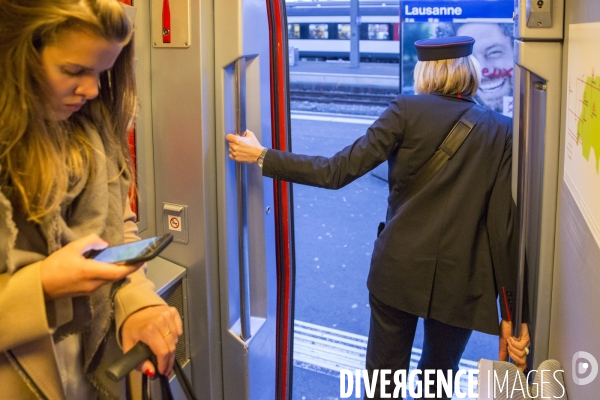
(449, 77)
(39, 155)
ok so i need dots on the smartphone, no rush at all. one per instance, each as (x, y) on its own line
(131, 253)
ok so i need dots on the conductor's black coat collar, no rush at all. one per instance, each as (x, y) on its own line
(454, 96)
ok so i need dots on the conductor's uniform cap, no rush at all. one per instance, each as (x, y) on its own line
(444, 48)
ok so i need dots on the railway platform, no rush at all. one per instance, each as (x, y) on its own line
(324, 75)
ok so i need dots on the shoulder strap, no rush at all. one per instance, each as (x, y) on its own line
(446, 151)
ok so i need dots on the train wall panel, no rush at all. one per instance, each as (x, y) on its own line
(575, 320)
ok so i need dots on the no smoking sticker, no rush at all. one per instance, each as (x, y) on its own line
(174, 223)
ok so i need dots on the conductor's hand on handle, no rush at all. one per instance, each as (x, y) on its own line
(516, 348)
(244, 148)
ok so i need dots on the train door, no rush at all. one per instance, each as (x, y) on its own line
(203, 70)
(246, 205)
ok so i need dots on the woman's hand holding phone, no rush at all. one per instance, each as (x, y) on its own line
(67, 273)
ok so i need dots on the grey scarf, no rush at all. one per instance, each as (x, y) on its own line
(91, 206)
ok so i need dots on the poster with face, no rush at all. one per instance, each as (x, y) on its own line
(494, 50)
(491, 27)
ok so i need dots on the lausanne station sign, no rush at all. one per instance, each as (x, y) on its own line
(413, 11)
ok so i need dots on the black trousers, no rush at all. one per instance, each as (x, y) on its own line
(391, 337)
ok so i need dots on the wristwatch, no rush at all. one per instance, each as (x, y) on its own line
(261, 158)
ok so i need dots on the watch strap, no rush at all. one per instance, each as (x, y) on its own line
(261, 158)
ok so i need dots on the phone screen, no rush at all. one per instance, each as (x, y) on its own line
(127, 251)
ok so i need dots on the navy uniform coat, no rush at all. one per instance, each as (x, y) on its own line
(450, 250)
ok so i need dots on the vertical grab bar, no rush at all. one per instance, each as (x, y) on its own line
(522, 197)
(241, 175)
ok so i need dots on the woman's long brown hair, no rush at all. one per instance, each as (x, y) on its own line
(39, 156)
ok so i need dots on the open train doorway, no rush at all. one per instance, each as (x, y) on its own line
(333, 100)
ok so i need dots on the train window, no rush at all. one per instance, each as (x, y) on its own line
(343, 31)
(293, 31)
(379, 31)
(318, 31)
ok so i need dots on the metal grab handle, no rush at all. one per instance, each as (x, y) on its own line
(522, 189)
(522, 197)
(241, 175)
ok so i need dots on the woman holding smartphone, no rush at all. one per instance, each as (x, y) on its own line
(67, 100)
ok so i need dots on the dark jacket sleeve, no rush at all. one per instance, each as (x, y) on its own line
(355, 160)
(503, 231)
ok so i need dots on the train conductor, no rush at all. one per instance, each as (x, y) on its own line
(448, 250)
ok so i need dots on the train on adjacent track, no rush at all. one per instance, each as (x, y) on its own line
(321, 31)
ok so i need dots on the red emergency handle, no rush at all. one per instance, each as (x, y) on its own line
(166, 22)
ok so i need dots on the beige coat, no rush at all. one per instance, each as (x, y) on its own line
(33, 351)
(29, 325)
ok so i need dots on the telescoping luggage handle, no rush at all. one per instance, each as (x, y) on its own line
(138, 354)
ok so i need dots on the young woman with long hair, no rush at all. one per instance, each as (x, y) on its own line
(67, 101)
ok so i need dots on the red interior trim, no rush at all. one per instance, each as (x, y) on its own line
(166, 22)
(279, 120)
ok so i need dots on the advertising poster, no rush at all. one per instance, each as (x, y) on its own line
(489, 22)
(582, 139)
